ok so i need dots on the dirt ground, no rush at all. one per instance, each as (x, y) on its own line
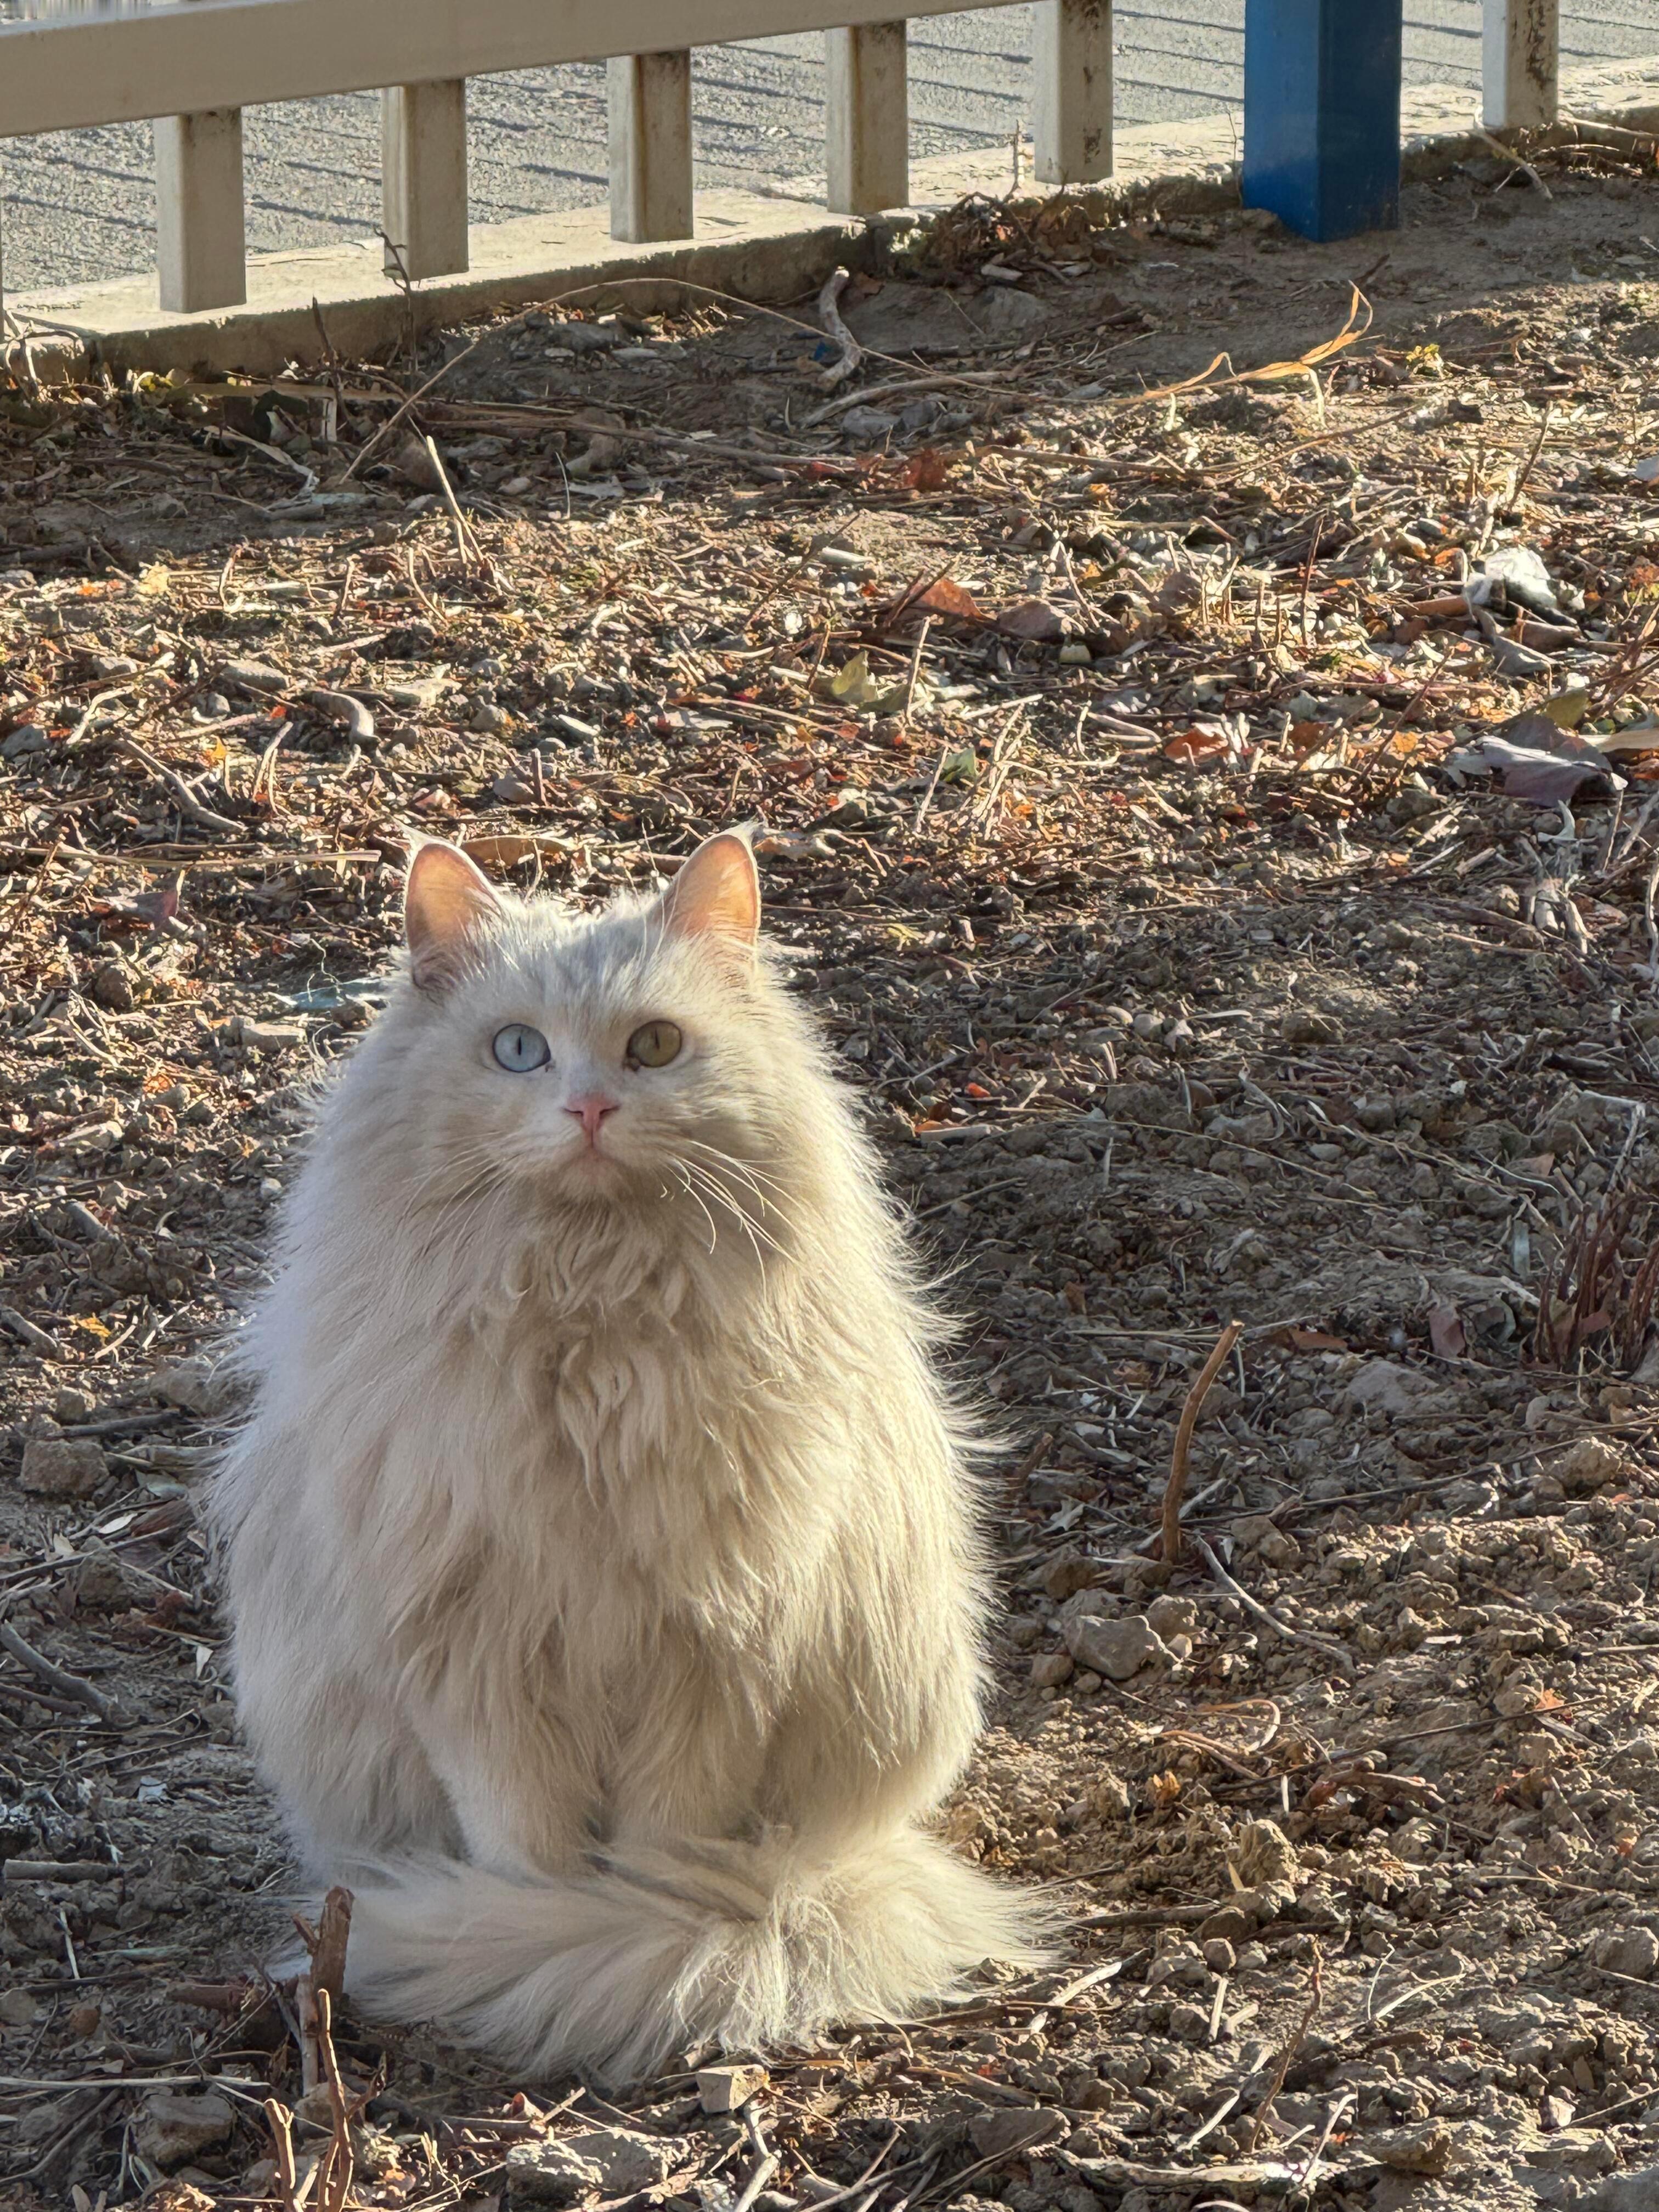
(1227, 871)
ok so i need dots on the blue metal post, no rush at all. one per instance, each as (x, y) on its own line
(1321, 113)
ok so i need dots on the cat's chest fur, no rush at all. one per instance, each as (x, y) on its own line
(597, 1474)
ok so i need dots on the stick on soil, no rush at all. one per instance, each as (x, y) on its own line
(1176, 1487)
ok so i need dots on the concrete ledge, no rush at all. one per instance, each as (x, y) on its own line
(774, 244)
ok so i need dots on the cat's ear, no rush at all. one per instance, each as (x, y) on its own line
(447, 904)
(716, 894)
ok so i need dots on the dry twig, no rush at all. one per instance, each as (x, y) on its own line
(1176, 1488)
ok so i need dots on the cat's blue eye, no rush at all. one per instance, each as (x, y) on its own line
(519, 1049)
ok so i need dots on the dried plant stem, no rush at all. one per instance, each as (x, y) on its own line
(333, 1934)
(281, 2123)
(1288, 2053)
(467, 549)
(1176, 1489)
(851, 352)
(55, 1677)
(1342, 1656)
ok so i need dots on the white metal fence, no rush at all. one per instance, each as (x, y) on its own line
(194, 64)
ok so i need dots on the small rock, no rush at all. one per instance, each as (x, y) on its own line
(1303, 1026)
(614, 2161)
(272, 1036)
(95, 1138)
(994, 2134)
(728, 2088)
(1267, 1540)
(1219, 1955)
(254, 676)
(549, 2173)
(1424, 2148)
(1584, 2151)
(1116, 1649)
(1172, 1616)
(71, 1405)
(18, 2009)
(1592, 1463)
(28, 738)
(62, 1466)
(1385, 1388)
(1626, 2192)
(587, 337)
(174, 2128)
(111, 986)
(490, 719)
(1262, 1852)
(1050, 1669)
(1065, 1576)
(868, 424)
(191, 1384)
(1632, 1951)
(1110, 1797)
(1228, 1923)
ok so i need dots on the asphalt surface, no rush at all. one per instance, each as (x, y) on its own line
(81, 205)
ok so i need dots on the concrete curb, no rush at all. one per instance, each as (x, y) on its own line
(771, 245)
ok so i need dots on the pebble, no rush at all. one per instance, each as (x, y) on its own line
(1626, 2192)
(728, 2088)
(1172, 1616)
(254, 676)
(192, 1385)
(614, 2161)
(62, 1466)
(173, 2128)
(1228, 1923)
(1630, 1951)
(1050, 1669)
(1425, 2147)
(270, 1037)
(1116, 1649)
(489, 721)
(994, 2135)
(111, 986)
(586, 338)
(27, 737)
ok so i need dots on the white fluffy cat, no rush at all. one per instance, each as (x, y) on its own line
(601, 1551)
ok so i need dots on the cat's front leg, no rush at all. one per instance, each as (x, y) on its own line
(522, 1783)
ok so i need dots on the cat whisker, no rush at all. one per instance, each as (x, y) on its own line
(746, 1222)
(763, 1187)
(691, 1192)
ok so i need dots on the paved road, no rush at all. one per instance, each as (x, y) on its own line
(82, 204)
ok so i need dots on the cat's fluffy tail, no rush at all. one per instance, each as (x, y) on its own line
(740, 1944)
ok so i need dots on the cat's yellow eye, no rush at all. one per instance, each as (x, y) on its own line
(654, 1044)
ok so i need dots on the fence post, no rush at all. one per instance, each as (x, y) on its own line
(423, 176)
(200, 238)
(650, 102)
(1520, 63)
(1321, 113)
(867, 117)
(1072, 62)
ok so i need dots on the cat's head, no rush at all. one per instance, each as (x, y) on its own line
(630, 1053)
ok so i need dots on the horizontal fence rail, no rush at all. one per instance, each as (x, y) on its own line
(192, 66)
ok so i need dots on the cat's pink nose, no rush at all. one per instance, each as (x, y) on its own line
(590, 1109)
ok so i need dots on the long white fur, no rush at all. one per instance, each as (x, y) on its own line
(601, 1548)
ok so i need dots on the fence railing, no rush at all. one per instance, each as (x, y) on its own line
(194, 65)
